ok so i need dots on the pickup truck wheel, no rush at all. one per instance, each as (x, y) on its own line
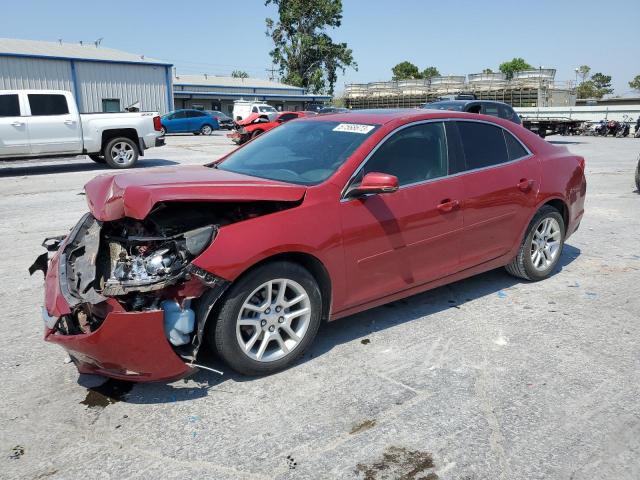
(121, 152)
(97, 158)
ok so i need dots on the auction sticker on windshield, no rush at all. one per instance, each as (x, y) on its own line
(354, 128)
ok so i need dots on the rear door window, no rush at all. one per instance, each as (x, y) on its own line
(483, 144)
(287, 116)
(9, 105)
(43, 104)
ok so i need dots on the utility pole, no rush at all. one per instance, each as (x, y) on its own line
(272, 72)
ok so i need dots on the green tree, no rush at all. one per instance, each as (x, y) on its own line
(635, 83)
(405, 71)
(305, 54)
(602, 83)
(517, 64)
(430, 72)
(239, 74)
(586, 89)
(583, 72)
(487, 70)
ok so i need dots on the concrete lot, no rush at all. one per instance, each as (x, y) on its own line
(488, 378)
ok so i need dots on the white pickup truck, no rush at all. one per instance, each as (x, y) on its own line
(46, 123)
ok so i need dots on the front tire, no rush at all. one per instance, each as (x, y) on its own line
(638, 175)
(121, 152)
(541, 248)
(268, 319)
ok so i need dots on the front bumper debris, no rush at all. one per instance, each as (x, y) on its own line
(127, 346)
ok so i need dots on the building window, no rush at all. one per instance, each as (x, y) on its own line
(110, 105)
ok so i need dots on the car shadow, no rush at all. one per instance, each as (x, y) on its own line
(75, 165)
(349, 329)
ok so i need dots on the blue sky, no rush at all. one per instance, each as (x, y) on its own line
(458, 37)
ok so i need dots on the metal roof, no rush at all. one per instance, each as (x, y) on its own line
(60, 50)
(221, 81)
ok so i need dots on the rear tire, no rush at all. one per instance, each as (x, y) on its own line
(206, 130)
(121, 152)
(97, 158)
(545, 249)
(239, 344)
(638, 175)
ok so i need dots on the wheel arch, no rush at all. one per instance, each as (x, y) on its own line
(560, 205)
(112, 133)
(312, 264)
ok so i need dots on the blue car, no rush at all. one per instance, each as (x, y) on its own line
(189, 121)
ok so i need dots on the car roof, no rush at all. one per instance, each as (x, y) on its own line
(404, 115)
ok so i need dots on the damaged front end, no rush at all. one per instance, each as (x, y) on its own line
(123, 296)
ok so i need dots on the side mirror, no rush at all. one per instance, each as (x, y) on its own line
(374, 183)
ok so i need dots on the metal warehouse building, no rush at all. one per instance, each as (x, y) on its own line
(102, 79)
(209, 92)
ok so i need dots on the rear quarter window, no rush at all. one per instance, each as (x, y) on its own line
(514, 147)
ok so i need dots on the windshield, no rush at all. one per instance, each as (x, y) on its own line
(267, 109)
(302, 151)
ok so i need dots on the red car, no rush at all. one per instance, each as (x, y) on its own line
(317, 220)
(255, 125)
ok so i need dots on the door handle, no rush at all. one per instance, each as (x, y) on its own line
(525, 184)
(17, 124)
(69, 122)
(448, 205)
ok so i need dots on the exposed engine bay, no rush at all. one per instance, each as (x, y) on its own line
(146, 264)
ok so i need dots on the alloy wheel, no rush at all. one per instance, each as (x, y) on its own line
(273, 320)
(545, 244)
(206, 130)
(122, 153)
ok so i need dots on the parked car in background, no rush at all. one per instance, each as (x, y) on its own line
(256, 125)
(325, 110)
(193, 121)
(46, 123)
(485, 107)
(320, 218)
(242, 109)
(224, 120)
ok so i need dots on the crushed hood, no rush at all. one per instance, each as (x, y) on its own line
(134, 194)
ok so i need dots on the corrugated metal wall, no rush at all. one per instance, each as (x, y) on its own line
(26, 73)
(129, 83)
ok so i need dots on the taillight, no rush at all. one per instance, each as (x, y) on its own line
(157, 125)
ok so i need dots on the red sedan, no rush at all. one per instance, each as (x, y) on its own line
(316, 220)
(255, 125)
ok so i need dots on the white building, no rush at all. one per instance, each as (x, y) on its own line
(213, 92)
(102, 79)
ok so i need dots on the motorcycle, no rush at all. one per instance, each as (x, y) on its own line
(601, 128)
(624, 127)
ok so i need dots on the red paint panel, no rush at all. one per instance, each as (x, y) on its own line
(128, 345)
(133, 194)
